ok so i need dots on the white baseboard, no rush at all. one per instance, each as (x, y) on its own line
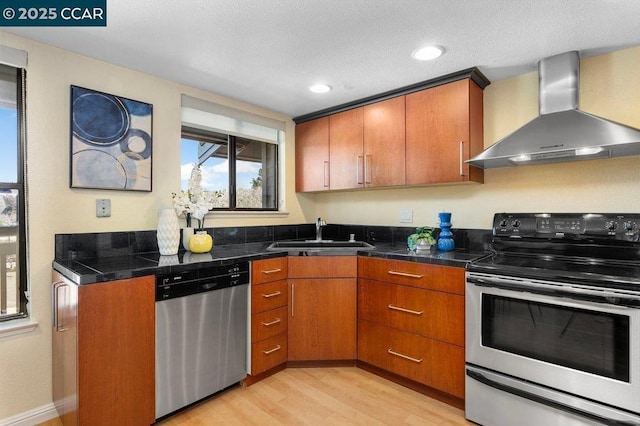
(31, 417)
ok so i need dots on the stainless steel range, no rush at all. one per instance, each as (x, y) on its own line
(553, 322)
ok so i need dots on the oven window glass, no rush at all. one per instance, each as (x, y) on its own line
(595, 342)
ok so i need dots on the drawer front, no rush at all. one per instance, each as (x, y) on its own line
(435, 364)
(433, 314)
(323, 267)
(265, 297)
(268, 324)
(268, 353)
(268, 270)
(434, 277)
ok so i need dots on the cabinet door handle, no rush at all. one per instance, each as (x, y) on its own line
(293, 299)
(326, 174)
(274, 322)
(274, 294)
(416, 360)
(359, 167)
(461, 158)
(270, 351)
(54, 307)
(409, 311)
(405, 274)
(57, 323)
(367, 170)
(272, 271)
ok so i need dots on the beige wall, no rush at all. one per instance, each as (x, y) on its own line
(610, 87)
(25, 360)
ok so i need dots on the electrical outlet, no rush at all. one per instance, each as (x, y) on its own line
(103, 207)
(406, 216)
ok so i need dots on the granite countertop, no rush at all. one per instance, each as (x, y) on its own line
(102, 269)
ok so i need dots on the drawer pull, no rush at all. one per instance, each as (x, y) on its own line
(409, 311)
(274, 294)
(270, 351)
(272, 271)
(269, 324)
(405, 274)
(417, 361)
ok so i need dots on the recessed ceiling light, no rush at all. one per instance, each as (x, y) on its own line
(320, 88)
(427, 53)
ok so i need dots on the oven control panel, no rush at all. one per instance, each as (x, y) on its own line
(623, 226)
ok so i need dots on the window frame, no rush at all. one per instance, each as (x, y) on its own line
(21, 187)
(196, 134)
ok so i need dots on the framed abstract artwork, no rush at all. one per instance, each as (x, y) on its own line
(111, 141)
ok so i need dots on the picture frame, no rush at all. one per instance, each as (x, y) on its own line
(111, 141)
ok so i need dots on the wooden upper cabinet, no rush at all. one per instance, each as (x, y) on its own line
(346, 149)
(384, 143)
(312, 155)
(443, 129)
(420, 138)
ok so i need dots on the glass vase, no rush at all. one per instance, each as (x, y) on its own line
(187, 233)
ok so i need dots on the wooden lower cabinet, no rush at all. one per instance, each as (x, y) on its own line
(322, 308)
(104, 351)
(430, 313)
(322, 323)
(411, 321)
(268, 353)
(269, 314)
(268, 324)
(435, 364)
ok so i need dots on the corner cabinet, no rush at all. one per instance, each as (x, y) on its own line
(104, 351)
(411, 322)
(269, 315)
(322, 308)
(444, 129)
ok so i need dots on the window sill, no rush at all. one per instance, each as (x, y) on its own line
(15, 327)
(237, 214)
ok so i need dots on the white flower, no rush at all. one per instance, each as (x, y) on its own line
(194, 202)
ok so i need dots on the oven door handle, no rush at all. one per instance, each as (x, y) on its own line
(597, 296)
(546, 401)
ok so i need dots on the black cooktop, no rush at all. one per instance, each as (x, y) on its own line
(587, 271)
(590, 249)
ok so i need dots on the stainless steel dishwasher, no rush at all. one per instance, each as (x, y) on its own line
(201, 334)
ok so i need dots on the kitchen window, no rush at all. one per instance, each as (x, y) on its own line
(13, 241)
(237, 152)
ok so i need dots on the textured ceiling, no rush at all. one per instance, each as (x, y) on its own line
(267, 52)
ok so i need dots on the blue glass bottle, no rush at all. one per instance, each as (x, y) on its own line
(445, 239)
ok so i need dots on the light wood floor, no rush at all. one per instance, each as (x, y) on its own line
(318, 396)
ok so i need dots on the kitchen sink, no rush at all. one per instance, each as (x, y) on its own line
(320, 245)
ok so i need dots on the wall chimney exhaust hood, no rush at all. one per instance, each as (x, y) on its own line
(561, 132)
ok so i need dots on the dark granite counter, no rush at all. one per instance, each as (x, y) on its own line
(101, 269)
(457, 257)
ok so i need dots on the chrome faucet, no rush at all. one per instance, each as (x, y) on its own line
(319, 224)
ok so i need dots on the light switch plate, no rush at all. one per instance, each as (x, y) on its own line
(103, 207)
(406, 216)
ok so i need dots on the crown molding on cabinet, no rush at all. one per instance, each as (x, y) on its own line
(473, 73)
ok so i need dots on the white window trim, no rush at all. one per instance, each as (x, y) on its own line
(17, 326)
